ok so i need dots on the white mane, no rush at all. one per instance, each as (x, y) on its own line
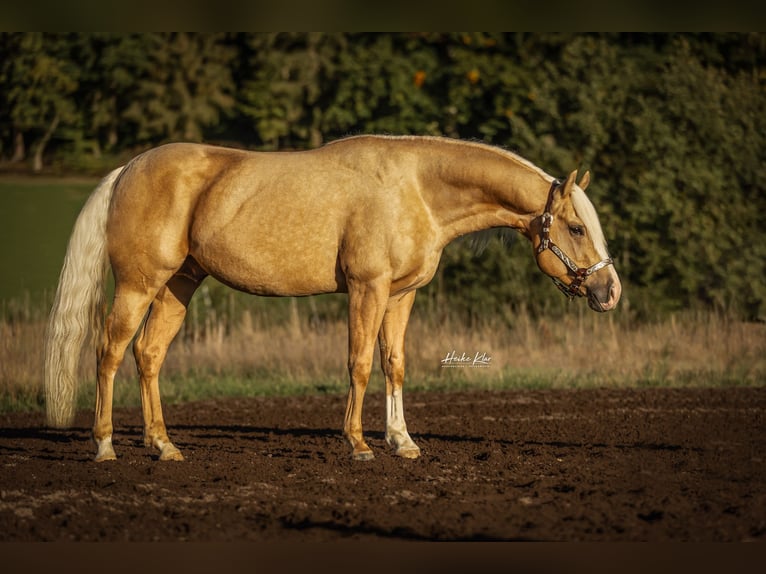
(587, 213)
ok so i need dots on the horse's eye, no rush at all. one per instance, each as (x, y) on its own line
(577, 230)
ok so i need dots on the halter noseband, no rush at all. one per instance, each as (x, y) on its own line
(580, 273)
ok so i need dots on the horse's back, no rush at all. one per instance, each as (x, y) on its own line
(276, 223)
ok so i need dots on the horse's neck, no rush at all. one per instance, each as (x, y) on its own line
(471, 188)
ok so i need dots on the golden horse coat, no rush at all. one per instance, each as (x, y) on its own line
(366, 215)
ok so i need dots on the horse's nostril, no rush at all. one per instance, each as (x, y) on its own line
(615, 291)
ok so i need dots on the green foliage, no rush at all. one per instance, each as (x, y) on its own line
(184, 84)
(671, 125)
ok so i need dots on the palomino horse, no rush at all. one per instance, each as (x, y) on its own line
(365, 215)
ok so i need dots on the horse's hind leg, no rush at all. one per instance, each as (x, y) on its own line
(391, 342)
(165, 318)
(130, 304)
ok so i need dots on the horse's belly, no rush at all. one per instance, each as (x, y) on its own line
(272, 267)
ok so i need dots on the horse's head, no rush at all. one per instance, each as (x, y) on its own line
(570, 246)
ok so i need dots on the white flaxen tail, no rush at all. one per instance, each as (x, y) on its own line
(78, 309)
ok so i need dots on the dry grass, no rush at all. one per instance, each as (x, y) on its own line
(584, 349)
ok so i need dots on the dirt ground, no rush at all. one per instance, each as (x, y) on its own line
(586, 465)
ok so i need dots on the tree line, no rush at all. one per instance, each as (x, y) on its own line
(672, 127)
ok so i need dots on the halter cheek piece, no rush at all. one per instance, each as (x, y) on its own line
(580, 273)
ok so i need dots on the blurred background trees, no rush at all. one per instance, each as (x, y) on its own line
(672, 127)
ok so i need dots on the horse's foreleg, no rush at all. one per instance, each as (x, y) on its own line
(367, 303)
(150, 348)
(122, 323)
(391, 341)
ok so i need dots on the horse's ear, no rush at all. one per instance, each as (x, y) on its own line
(585, 181)
(569, 184)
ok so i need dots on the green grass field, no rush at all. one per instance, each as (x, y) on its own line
(36, 218)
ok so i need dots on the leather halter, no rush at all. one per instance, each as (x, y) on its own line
(580, 274)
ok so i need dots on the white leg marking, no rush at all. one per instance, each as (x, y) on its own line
(396, 428)
(105, 450)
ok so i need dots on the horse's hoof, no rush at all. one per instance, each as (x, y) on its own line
(408, 452)
(105, 450)
(364, 455)
(170, 452)
(105, 457)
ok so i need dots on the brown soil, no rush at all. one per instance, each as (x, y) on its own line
(601, 465)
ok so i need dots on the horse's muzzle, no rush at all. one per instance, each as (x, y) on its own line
(606, 298)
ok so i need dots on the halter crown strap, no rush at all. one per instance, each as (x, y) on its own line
(580, 273)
